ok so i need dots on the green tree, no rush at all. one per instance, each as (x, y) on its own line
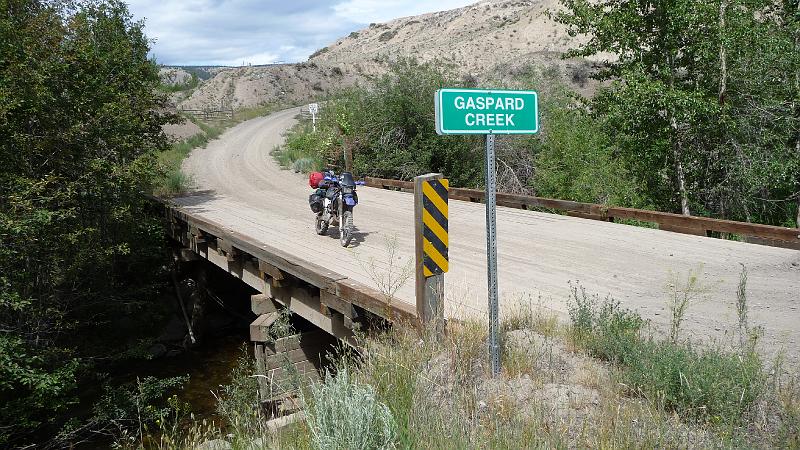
(390, 128)
(81, 122)
(703, 127)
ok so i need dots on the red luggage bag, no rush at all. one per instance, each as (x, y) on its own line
(314, 178)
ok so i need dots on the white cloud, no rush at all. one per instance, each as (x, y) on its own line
(228, 32)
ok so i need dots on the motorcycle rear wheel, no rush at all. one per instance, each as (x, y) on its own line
(346, 229)
(321, 226)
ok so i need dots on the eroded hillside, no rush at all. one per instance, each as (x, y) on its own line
(492, 39)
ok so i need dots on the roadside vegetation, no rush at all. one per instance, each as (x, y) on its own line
(603, 379)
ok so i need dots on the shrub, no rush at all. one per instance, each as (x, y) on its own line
(176, 183)
(386, 36)
(304, 150)
(345, 414)
(318, 52)
(708, 386)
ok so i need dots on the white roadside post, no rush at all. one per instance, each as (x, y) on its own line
(488, 112)
(313, 109)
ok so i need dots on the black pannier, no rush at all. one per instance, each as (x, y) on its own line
(315, 201)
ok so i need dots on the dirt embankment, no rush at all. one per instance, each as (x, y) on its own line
(247, 87)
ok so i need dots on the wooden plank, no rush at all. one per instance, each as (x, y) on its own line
(696, 231)
(581, 215)
(307, 370)
(251, 275)
(305, 270)
(227, 248)
(262, 304)
(263, 385)
(259, 329)
(333, 302)
(274, 273)
(771, 242)
(374, 301)
(314, 354)
(707, 223)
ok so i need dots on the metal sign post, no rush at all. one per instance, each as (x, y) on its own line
(488, 112)
(491, 254)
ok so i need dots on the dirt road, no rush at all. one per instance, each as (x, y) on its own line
(240, 185)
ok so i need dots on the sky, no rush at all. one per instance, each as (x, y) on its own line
(233, 32)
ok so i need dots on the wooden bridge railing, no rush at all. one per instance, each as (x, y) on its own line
(701, 226)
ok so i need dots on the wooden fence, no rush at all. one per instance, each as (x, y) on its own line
(701, 226)
(210, 114)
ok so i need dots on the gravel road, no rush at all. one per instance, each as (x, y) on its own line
(241, 186)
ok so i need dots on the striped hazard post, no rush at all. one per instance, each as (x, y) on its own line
(434, 227)
(431, 245)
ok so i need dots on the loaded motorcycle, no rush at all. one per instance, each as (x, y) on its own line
(333, 202)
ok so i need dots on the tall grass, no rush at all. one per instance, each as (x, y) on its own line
(706, 386)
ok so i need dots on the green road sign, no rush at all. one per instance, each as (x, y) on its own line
(475, 111)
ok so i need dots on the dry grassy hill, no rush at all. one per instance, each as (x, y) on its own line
(477, 38)
(491, 39)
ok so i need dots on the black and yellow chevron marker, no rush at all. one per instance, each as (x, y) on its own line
(434, 226)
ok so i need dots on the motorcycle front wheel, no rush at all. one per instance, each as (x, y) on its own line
(346, 229)
(321, 226)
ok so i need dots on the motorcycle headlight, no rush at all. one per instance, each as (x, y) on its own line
(347, 189)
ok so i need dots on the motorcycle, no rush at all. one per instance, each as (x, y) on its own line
(333, 203)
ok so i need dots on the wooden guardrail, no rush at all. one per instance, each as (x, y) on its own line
(209, 114)
(701, 226)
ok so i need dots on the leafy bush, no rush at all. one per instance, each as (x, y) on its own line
(343, 414)
(141, 404)
(176, 183)
(305, 165)
(304, 146)
(703, 385)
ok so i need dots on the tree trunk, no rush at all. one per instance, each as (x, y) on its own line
(677, 145)
(797, 102)
(348, 155)
(677, 151)
(797, 150)
(723, 60)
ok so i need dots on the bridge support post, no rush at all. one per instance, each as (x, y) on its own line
(431, 248)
